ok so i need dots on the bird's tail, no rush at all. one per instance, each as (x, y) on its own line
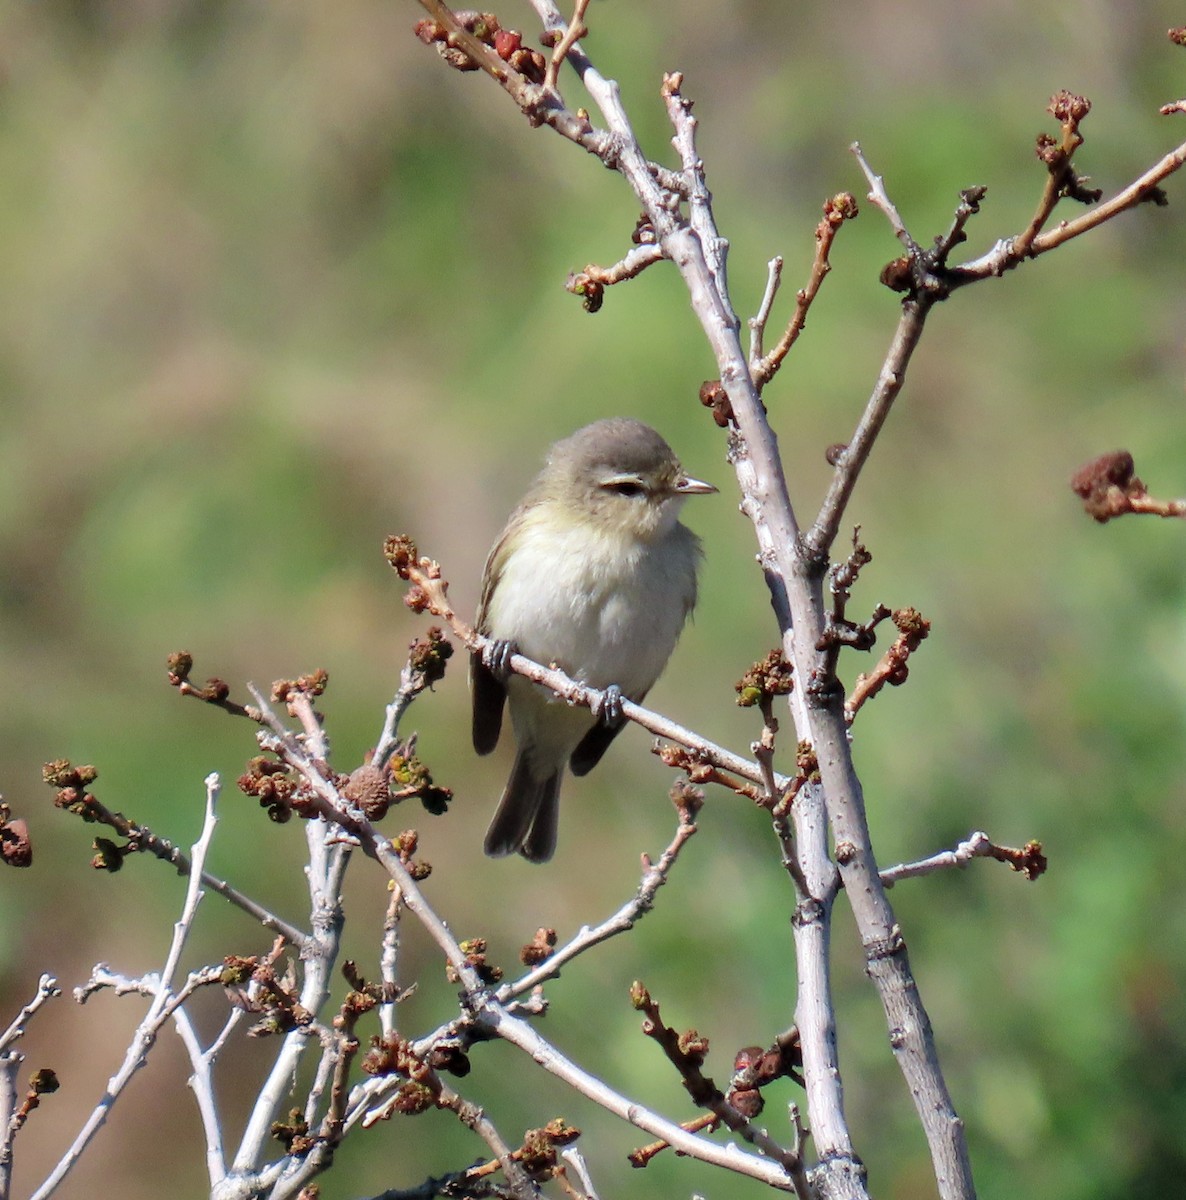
(526, 819)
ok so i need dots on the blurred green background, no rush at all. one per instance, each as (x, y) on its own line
(277, 283)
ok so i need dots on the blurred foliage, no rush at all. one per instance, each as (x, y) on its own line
(277, 283)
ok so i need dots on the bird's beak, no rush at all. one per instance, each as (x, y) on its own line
(693, 487)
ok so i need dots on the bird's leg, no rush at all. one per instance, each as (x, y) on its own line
(609, 708)
(496, 658)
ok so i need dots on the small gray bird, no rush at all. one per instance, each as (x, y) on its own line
(593, 573)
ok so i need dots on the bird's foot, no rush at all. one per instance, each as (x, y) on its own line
(609, 709)
(496, 657)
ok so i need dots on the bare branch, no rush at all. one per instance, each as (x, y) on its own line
(164, 999)
(653, 878)
(1109, 487)
(757, 323)
(47, 989)
(837, 210)
(1028, 861)
(1003, 256)
(575, 31)
(593, 280)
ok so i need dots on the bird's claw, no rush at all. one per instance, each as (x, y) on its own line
(609, 707)
(496, 657)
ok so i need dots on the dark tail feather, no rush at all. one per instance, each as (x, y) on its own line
(526, 819)
(540, 844)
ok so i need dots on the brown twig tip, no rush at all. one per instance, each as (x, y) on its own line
(806, 762)
(429, 592)
(405, 845)
(276, 790)
(1035, 862)
(474, 950)
(591, 291)
(313, 684)
(179, 665)
(16, 848)
(1109, 487)
(699, 771)
(1177, 35)
(72, 783)
(840, 208)
(714, 396)
(642, 1156)
(686, 1051)
(538, 1155)
(215, 691)
(893, 668)
(539, 949)
(590, 283)
(806, 771)
(72, 796)
(1028, 861)
(770, 676)
(43, 1082)
(1067, 108)
(428, 655)
(400, 551)
(688, 800)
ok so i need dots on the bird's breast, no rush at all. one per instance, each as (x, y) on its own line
(605, 609)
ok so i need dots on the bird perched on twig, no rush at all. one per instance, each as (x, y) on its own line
(593, 573)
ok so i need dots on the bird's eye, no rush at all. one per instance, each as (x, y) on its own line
(624, 487)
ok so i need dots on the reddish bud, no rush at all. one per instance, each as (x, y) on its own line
(506, 42)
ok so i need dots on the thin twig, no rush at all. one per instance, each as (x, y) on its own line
(389, 957)
(158, 1012)
(1004, 256)
(890, 379)
(881, 199)
(575, 1161)
(575, 31)
(47, 989)
(12, 1116)
(1028, 861)
(490, 1015)
(201, 1083)
(758, 322)
(838, 209)
(653, 878)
